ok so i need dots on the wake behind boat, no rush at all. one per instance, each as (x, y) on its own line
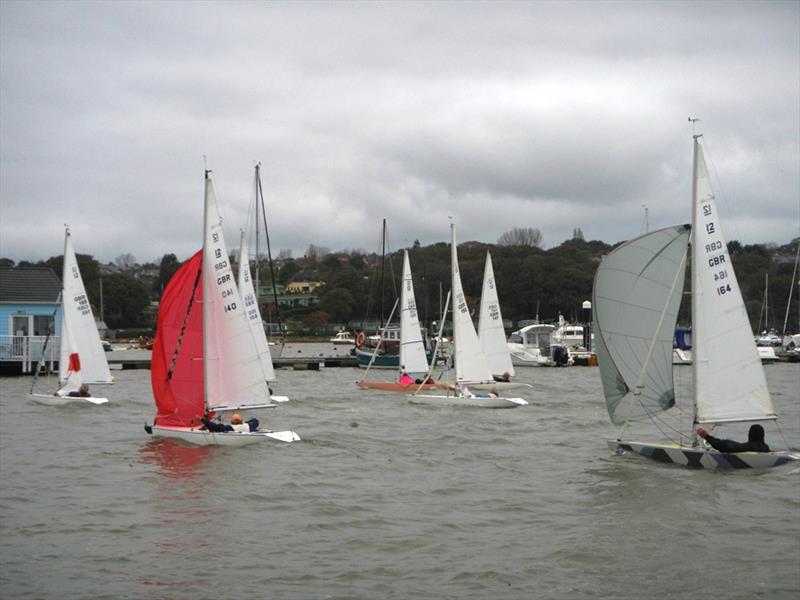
(637, 293)
(205, 358)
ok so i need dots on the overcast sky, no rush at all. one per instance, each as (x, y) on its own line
(552, 115)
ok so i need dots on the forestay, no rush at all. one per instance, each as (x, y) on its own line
(412, 350)
(469, 359)
(636, 297)
(730, 384)
(491, 333)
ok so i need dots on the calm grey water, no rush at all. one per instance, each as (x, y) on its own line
(383, 499)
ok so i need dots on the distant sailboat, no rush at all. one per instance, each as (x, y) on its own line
(413, 358)
(251, 309)
(205, 358)
(491, 332)
(82, 359)
(637, 293)
(471, 367)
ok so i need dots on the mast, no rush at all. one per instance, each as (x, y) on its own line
(260, 195)
(206, 298)
(695, 293)
(383, 263)
(255, 205)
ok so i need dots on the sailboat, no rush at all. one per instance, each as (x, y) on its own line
(250, 303)
(205, 358)
(82, 359)
(471, 367)
(413, 358)
(637, 292)
(492, 334)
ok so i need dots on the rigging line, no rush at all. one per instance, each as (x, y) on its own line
(722, 194)
(260, 192)
(791, 289)
(41, 361)
(432, 366)
(179, 341)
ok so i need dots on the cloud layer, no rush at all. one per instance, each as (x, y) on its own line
(549, 115)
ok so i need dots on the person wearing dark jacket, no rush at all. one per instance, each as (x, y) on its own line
(755, 441)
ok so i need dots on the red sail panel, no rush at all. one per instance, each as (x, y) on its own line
(74, 363)
(176, 371)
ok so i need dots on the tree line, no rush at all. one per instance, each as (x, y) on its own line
(361, 288)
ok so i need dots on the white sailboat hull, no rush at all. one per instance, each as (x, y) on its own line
(700, 458)
(200, 437)
(56, 400)
(479, 402)
(499, 386)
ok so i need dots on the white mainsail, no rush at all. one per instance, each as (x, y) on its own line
(491, 333)
(636, 297)
(79, 330)
(469, 359)
(232, 369)
(729, 379)
(412, 350)
(253, 313)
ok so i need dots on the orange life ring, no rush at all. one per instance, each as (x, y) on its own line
(360, 339)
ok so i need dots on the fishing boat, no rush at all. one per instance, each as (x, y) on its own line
(471, 367)
(205, 358)
(82, 359)
(413, 363)
(637, 293)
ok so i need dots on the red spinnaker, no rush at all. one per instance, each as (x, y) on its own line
(177, 377)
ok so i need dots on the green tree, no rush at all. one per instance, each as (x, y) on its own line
(169, 264)
(338, 303)
(125, 300)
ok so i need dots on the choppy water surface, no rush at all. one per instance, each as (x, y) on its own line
(383, 499)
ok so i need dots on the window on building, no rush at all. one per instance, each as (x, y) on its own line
(44, 324)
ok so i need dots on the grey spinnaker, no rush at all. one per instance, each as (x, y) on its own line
(636, 297)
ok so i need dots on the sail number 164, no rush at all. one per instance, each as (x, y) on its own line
(723, 289)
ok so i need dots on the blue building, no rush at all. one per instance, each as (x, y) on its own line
(29, 312)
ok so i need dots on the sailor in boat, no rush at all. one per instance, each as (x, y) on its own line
(406, 379)
(504, 377)
(755, 441)
(81, 392)
(237, 425)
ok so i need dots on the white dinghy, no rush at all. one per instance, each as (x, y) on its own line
(637, 293)
(82, 359)
(492, 336)
(205, 358)
(470, 363)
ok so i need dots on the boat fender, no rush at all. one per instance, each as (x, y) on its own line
(360, 339)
